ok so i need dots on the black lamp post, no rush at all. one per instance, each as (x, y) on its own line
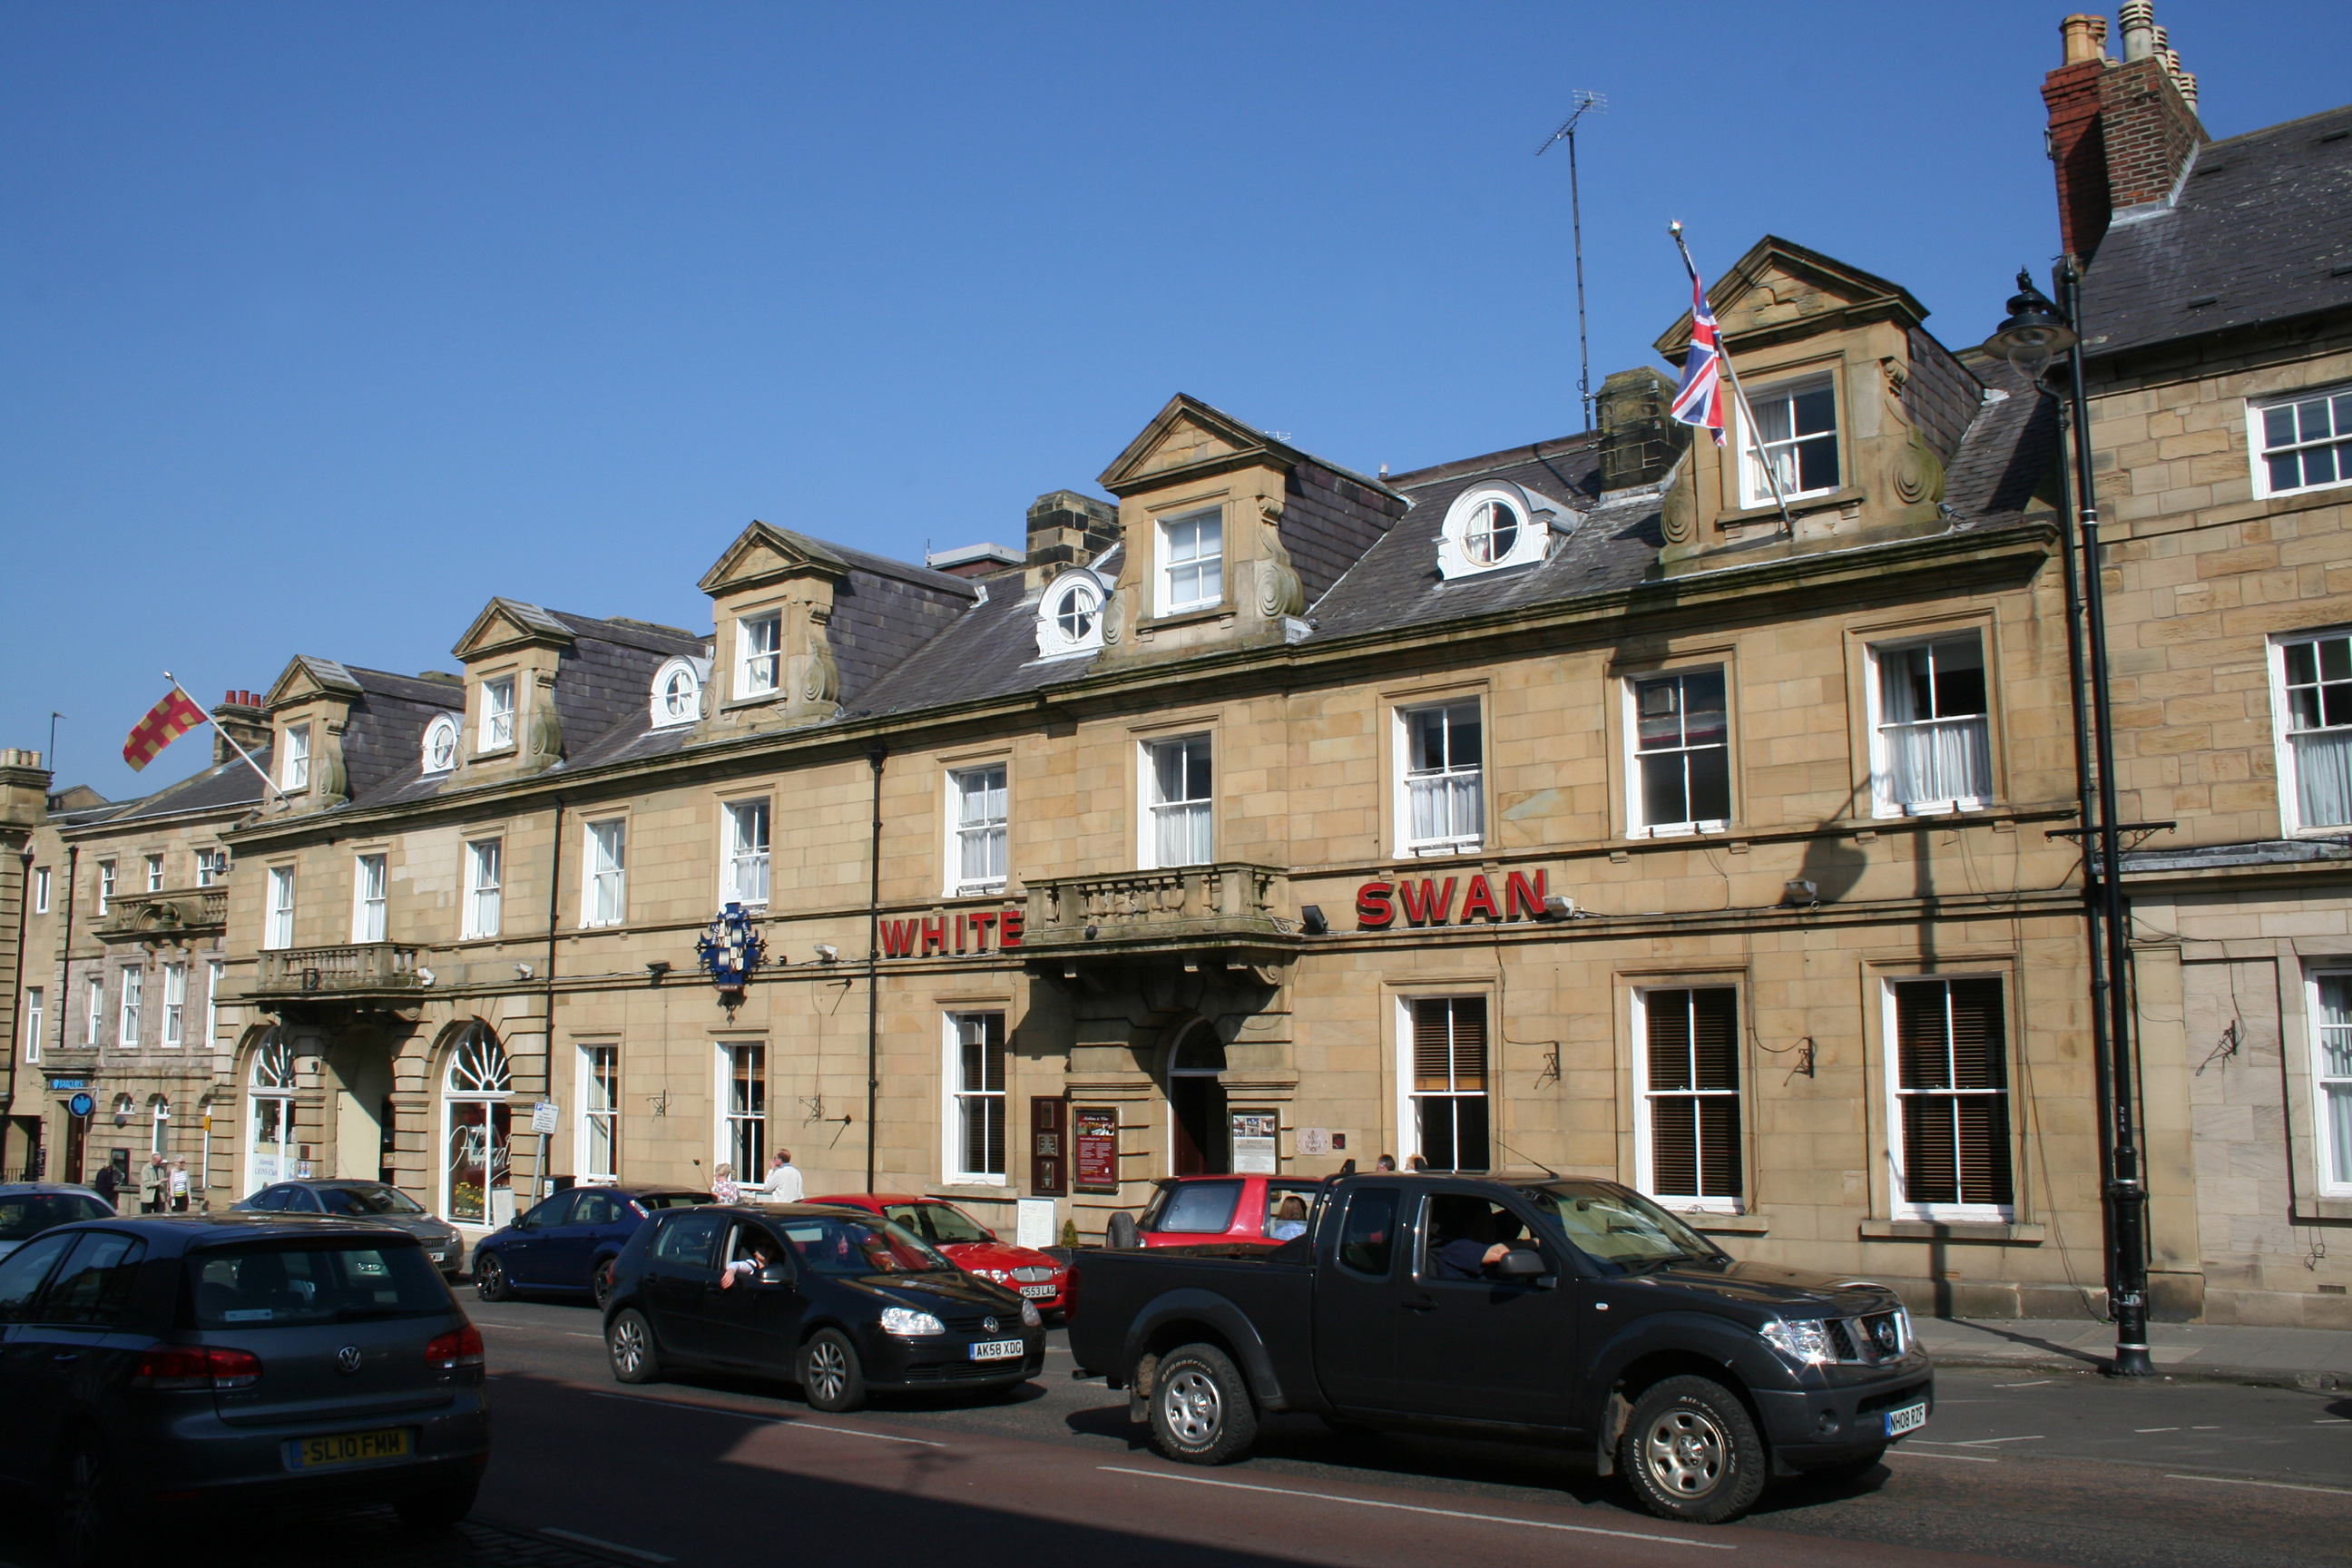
(2037, 332)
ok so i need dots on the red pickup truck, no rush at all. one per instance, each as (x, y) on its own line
(1188, 1211)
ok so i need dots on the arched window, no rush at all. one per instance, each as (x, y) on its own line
(474, 1091)
(1497, 524)
(270, 1147)
(677, 691)
(159, 1118)
(1196, 1102)
(1069, 615)
(440, 745)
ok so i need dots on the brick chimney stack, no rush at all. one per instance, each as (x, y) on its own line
(1066, 528)
(2121, 132)
(241, 714)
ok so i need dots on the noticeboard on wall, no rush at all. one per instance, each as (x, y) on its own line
(1257, 1143)
(1094, 1142)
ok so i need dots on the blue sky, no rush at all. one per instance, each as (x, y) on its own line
(325, 324)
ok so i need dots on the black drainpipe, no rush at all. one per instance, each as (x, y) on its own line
(874, 964)
(65, 984)
(554, 908)
(23, 919)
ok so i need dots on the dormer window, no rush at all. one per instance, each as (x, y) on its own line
(758, 654)
(677, 691)
(296, 772)
(498, 714)
(440, 745)
(1492, 526)
(1192, 561)
(1797, 422)
(1069, 617)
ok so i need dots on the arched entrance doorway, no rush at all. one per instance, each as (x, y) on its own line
(474, 1118)
(270, 1113)
(1202, 1131)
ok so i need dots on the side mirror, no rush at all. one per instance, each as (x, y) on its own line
(1522, 1265)
(775, 1274)
(988, 1233)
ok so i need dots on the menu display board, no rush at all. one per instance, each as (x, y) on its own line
(1257, 1143)
(1095, 1140)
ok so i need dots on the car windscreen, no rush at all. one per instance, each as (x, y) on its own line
(1620, 1228)
(828, 1243)
(1198, 1208)
(649, 1202)
(940, 1223)
(29, 1213)
(289, 1284)
(361, 1203)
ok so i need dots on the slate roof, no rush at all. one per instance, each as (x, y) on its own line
(2262, 229)
(223, 786)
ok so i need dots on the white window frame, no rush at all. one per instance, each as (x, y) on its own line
(295, 776)
(744, 862)
(40, 889)
(485, 887)
(131, 1000)
(1644, 1150)
(759, 1122)
(692, 674)
(1470, 782)
(176, 1007)
(2294, 817)
(498, 732)
(159, 1134)
(988, 832)
(1637, 823)
(1408, 1108)
(604, 872)
(2259, 452)
(36, 1019)
(1167, 568)
(441, 736)
(210, 864)
(1900, 1207)
(214, 970)
(279, 930)
(1469, 518)
(2334, 1174)
(1151, 808)
(759, 655)
(1881, 763)
(370, 881)
(963, 1100)
(94, 1010)
(154, 873)
(105, 885)
(1064, 630)
(1754, 491)
(599, 1098)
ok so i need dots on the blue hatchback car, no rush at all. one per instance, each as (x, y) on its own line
(566, 1245)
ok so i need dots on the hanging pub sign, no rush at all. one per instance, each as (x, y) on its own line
(1095, 1142)
(1431, 901)
(963, 934)
(730, 948)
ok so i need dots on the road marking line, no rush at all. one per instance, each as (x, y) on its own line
(854, 1432)
(2143, 1431)
(1921, 1454)
(642, 1556)
(2205, 1428)
(2333, 1421)
(2278, 1486)
(535, 1329)
(1988, 1442)
(759, 1417)
(1415, 1508)
(2038, 1382)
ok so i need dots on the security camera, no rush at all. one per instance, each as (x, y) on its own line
(424, 975)
(827, 953)
(523, 969)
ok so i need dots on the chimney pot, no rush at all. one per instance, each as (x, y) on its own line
(2139, 30)
(2085, 38)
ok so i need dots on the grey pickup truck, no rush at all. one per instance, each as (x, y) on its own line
(1554, 1309)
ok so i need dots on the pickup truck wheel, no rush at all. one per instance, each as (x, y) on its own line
(1202, 1413)
(1122, 1234)
(1691, 1453)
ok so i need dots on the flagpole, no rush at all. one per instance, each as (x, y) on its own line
(267, 783)
(1746, 414)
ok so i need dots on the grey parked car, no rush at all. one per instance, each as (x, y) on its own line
(160, 1368)
(352, 1197)
(29, 1208)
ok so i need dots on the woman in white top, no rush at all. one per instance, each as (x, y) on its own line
(722, 1184)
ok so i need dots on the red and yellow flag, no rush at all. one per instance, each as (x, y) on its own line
(165, 722)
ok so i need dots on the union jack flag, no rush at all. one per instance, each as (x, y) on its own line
(1700, 399)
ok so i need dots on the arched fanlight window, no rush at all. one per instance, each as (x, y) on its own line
(273, 1063)
(440, 745)
(474, 1172)
(677, 691)
(1497, 524)
(1069, 615)
(479, 1065)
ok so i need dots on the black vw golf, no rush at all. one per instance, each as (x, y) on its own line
(838, 1301)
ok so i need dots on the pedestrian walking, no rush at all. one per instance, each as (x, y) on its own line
(784, 1183)
(154, 1178)
(722, 1184)
(106, 1184)
(179, 1186)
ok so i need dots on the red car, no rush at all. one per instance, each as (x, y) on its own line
(1189, 1210)
(974, 1247)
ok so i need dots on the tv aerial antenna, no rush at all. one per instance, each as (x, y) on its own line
(1587, 102)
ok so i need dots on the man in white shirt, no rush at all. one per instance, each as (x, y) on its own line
(784, 1183)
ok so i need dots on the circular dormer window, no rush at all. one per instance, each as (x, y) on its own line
(1495, 524)
(441, 745)
(1070, 615)
(677, 691)
(1492, 530)
(1076, 616)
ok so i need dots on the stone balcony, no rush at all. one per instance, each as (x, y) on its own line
(174, 912)
(380, 972)
(1222, 913)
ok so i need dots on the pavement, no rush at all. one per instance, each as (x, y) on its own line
(2288, 1358)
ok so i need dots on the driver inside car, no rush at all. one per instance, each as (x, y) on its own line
(1471, 1243)
(761, 1256)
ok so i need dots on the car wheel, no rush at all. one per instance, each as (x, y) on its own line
(1851, 1469)
(629, 1341)
(1691, 1452)
(600, 1282)
(1122, 1234)
(490, 1282)
(830, 1376)
(438, 1509)
(1201, 1412)
(91, 1520)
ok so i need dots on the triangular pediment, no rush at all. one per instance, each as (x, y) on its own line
(510, 623)
(1781, 289)
(765, 554)
(1189, 436)
(308, 676)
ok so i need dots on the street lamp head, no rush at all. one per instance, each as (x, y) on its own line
(2034, 334)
